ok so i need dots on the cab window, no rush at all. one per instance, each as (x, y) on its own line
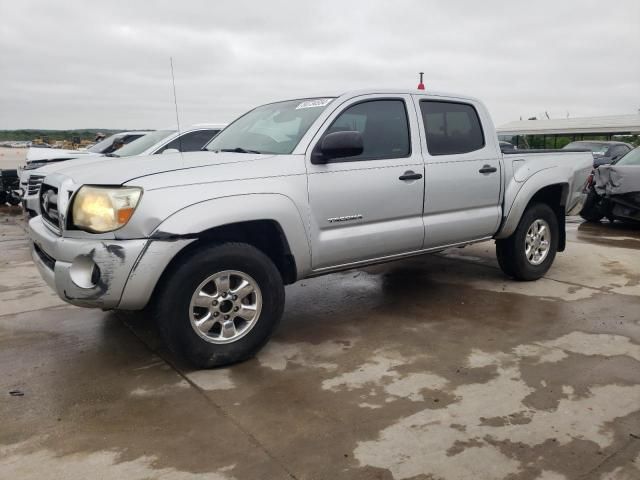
(451, 127)
(384, 127)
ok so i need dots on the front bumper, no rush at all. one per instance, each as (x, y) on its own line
(84, 272)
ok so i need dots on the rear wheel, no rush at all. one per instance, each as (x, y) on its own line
(220, 305)
(529, 252)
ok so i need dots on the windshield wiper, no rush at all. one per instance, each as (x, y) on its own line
(238, 150)
(111, 155)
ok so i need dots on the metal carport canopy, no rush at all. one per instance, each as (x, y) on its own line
(627, 124)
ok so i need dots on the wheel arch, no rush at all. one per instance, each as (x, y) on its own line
(264, 234)
(554, 194)
(269, 222)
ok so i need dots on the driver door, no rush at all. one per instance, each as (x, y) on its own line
(368, 206)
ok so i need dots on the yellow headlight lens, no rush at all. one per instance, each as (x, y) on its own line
(104, 209)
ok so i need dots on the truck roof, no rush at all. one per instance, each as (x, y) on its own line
(406, 91)
(382, 91)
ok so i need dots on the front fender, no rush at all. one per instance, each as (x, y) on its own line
(243, 208)
(184, 226)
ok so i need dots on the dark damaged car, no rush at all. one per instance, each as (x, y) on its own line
(614, 191)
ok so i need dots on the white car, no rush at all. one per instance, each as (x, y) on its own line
(37, 156)
(191, 139)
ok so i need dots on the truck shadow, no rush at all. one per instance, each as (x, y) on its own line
(384, 296)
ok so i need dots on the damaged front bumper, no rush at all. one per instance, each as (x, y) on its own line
(84, 272)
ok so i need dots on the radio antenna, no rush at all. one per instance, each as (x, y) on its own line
(175, 101)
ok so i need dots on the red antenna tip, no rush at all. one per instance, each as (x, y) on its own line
(421, 85)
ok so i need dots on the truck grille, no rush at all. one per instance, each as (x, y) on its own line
(49, 205)
(33, 184)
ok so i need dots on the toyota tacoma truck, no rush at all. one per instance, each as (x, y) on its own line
(206, 241)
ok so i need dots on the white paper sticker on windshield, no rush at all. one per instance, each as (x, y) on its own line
(318, 102)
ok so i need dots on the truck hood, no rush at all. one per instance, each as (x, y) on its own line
(48, 154)
(117, 171)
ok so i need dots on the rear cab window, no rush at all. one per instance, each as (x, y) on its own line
(451, 127)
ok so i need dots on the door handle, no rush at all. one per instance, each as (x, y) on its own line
(488, 169)
(410, 175)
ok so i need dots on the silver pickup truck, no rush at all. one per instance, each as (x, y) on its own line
(207, 240)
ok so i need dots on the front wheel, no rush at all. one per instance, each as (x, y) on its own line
(529, 252)
(220, 305)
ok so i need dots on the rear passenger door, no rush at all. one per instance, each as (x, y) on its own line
(368, 206)
(462, 173)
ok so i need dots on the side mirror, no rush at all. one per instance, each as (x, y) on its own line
(170, 150)
(339, 145)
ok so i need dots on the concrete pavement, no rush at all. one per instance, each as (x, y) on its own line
(429, 368)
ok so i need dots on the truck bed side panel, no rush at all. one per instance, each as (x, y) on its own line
(527, 174)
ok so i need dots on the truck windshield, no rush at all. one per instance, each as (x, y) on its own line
(631, 158)
(143, 143)
(275, 128)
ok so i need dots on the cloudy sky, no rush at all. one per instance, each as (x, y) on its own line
(105, 63)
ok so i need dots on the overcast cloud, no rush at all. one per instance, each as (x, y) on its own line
(105, 64)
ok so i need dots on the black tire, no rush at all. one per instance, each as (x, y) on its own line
(511, 251)
(172, 307)
(13, 200)
(592, 210)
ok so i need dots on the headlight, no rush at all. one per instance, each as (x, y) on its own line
(104, 209)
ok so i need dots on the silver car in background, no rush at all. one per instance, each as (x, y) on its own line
(604, 152)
